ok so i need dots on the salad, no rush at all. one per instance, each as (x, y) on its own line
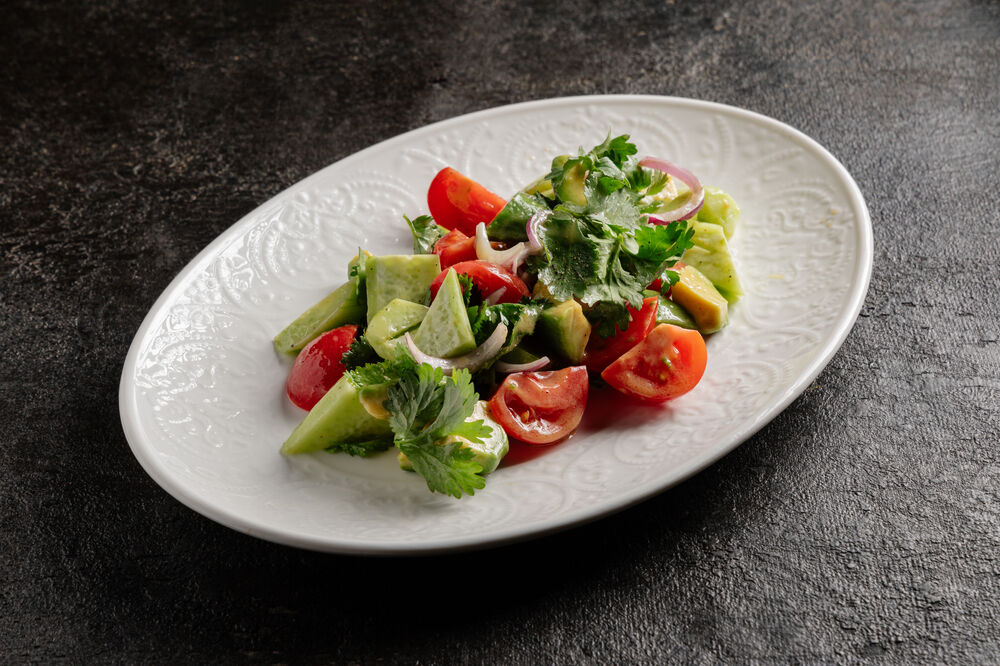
(608, 269)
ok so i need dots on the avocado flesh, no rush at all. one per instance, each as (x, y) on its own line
(565, 328)
(710, 255)
(509, 224)
(668, 312)
(387, 327)
(719, 208)
(571, 188)
(338, 417)
(445, 331)
(488, 453)
(696, 294)
(405, 276)
(341, 307)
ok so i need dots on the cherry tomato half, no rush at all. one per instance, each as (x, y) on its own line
(667, 364)
(541, 407)
(318, 366)
(601, 352)
(457, 202)
(488, 279)
(455, 247)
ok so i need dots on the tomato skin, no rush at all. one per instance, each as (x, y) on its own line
(454, 248)
(318, 366)
(488, 278)
(641, 372)
(458, 202)
(541, 407)
(601, 352)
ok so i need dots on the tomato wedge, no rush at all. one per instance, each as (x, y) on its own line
(601, 352)
(318, 366)
(667, 364)
(541, 407)
(455, 247)
(458, 202)
(488, 278)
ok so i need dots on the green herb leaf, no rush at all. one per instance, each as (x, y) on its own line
(361, 449)
(425, 233)
(359, 354)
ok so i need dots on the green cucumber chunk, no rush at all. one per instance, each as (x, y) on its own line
(487, 453)
(668, 312)
(710, 255)
(338, 417)
(719, 208)
(405, 276)
(509, 224)
(341, 307)
(565, 328)
(387, 327)
(446, 331)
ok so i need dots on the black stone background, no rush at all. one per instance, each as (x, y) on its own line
(861, 525)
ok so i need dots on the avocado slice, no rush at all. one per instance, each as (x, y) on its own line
(390, 323)
(571, 189)
(710, 255)
(719, 208)
(406, 276)
(509, 224)
(446, 331)
(668, 312)
(696, 294)
(565, 328)
(338, 417)
(488, 453)
(343, 306)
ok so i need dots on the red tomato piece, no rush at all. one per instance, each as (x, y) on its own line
(488, 278)
(601, 352)
(318, 366)
(457, 202)
(541, 407)
(667, 364)
(455, 247)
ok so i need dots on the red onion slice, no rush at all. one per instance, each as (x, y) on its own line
(472, 361)
(495, 297)
(508, 368)
(530, 228)
(693, 204)
(486, 252)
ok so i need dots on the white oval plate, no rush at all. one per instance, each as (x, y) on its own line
(202, 400)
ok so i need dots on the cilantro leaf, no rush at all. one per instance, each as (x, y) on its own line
(425, 408)
(359, 353)
(383, 372)
(425, 233)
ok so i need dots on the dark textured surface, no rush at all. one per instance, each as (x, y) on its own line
(862, 524)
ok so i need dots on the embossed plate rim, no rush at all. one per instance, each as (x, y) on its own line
(144, 450)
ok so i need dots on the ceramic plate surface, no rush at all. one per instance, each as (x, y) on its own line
(202, 400)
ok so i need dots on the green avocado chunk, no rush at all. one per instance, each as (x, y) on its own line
(446, 331)
(668, 312)
(571, 189)
(387, 327)
(338, 417)
(710, 255)
(565, 328)
(719, 208)
(509, 224)
(341, 307)
(696, 294)
(488, 453)
(405, 276)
